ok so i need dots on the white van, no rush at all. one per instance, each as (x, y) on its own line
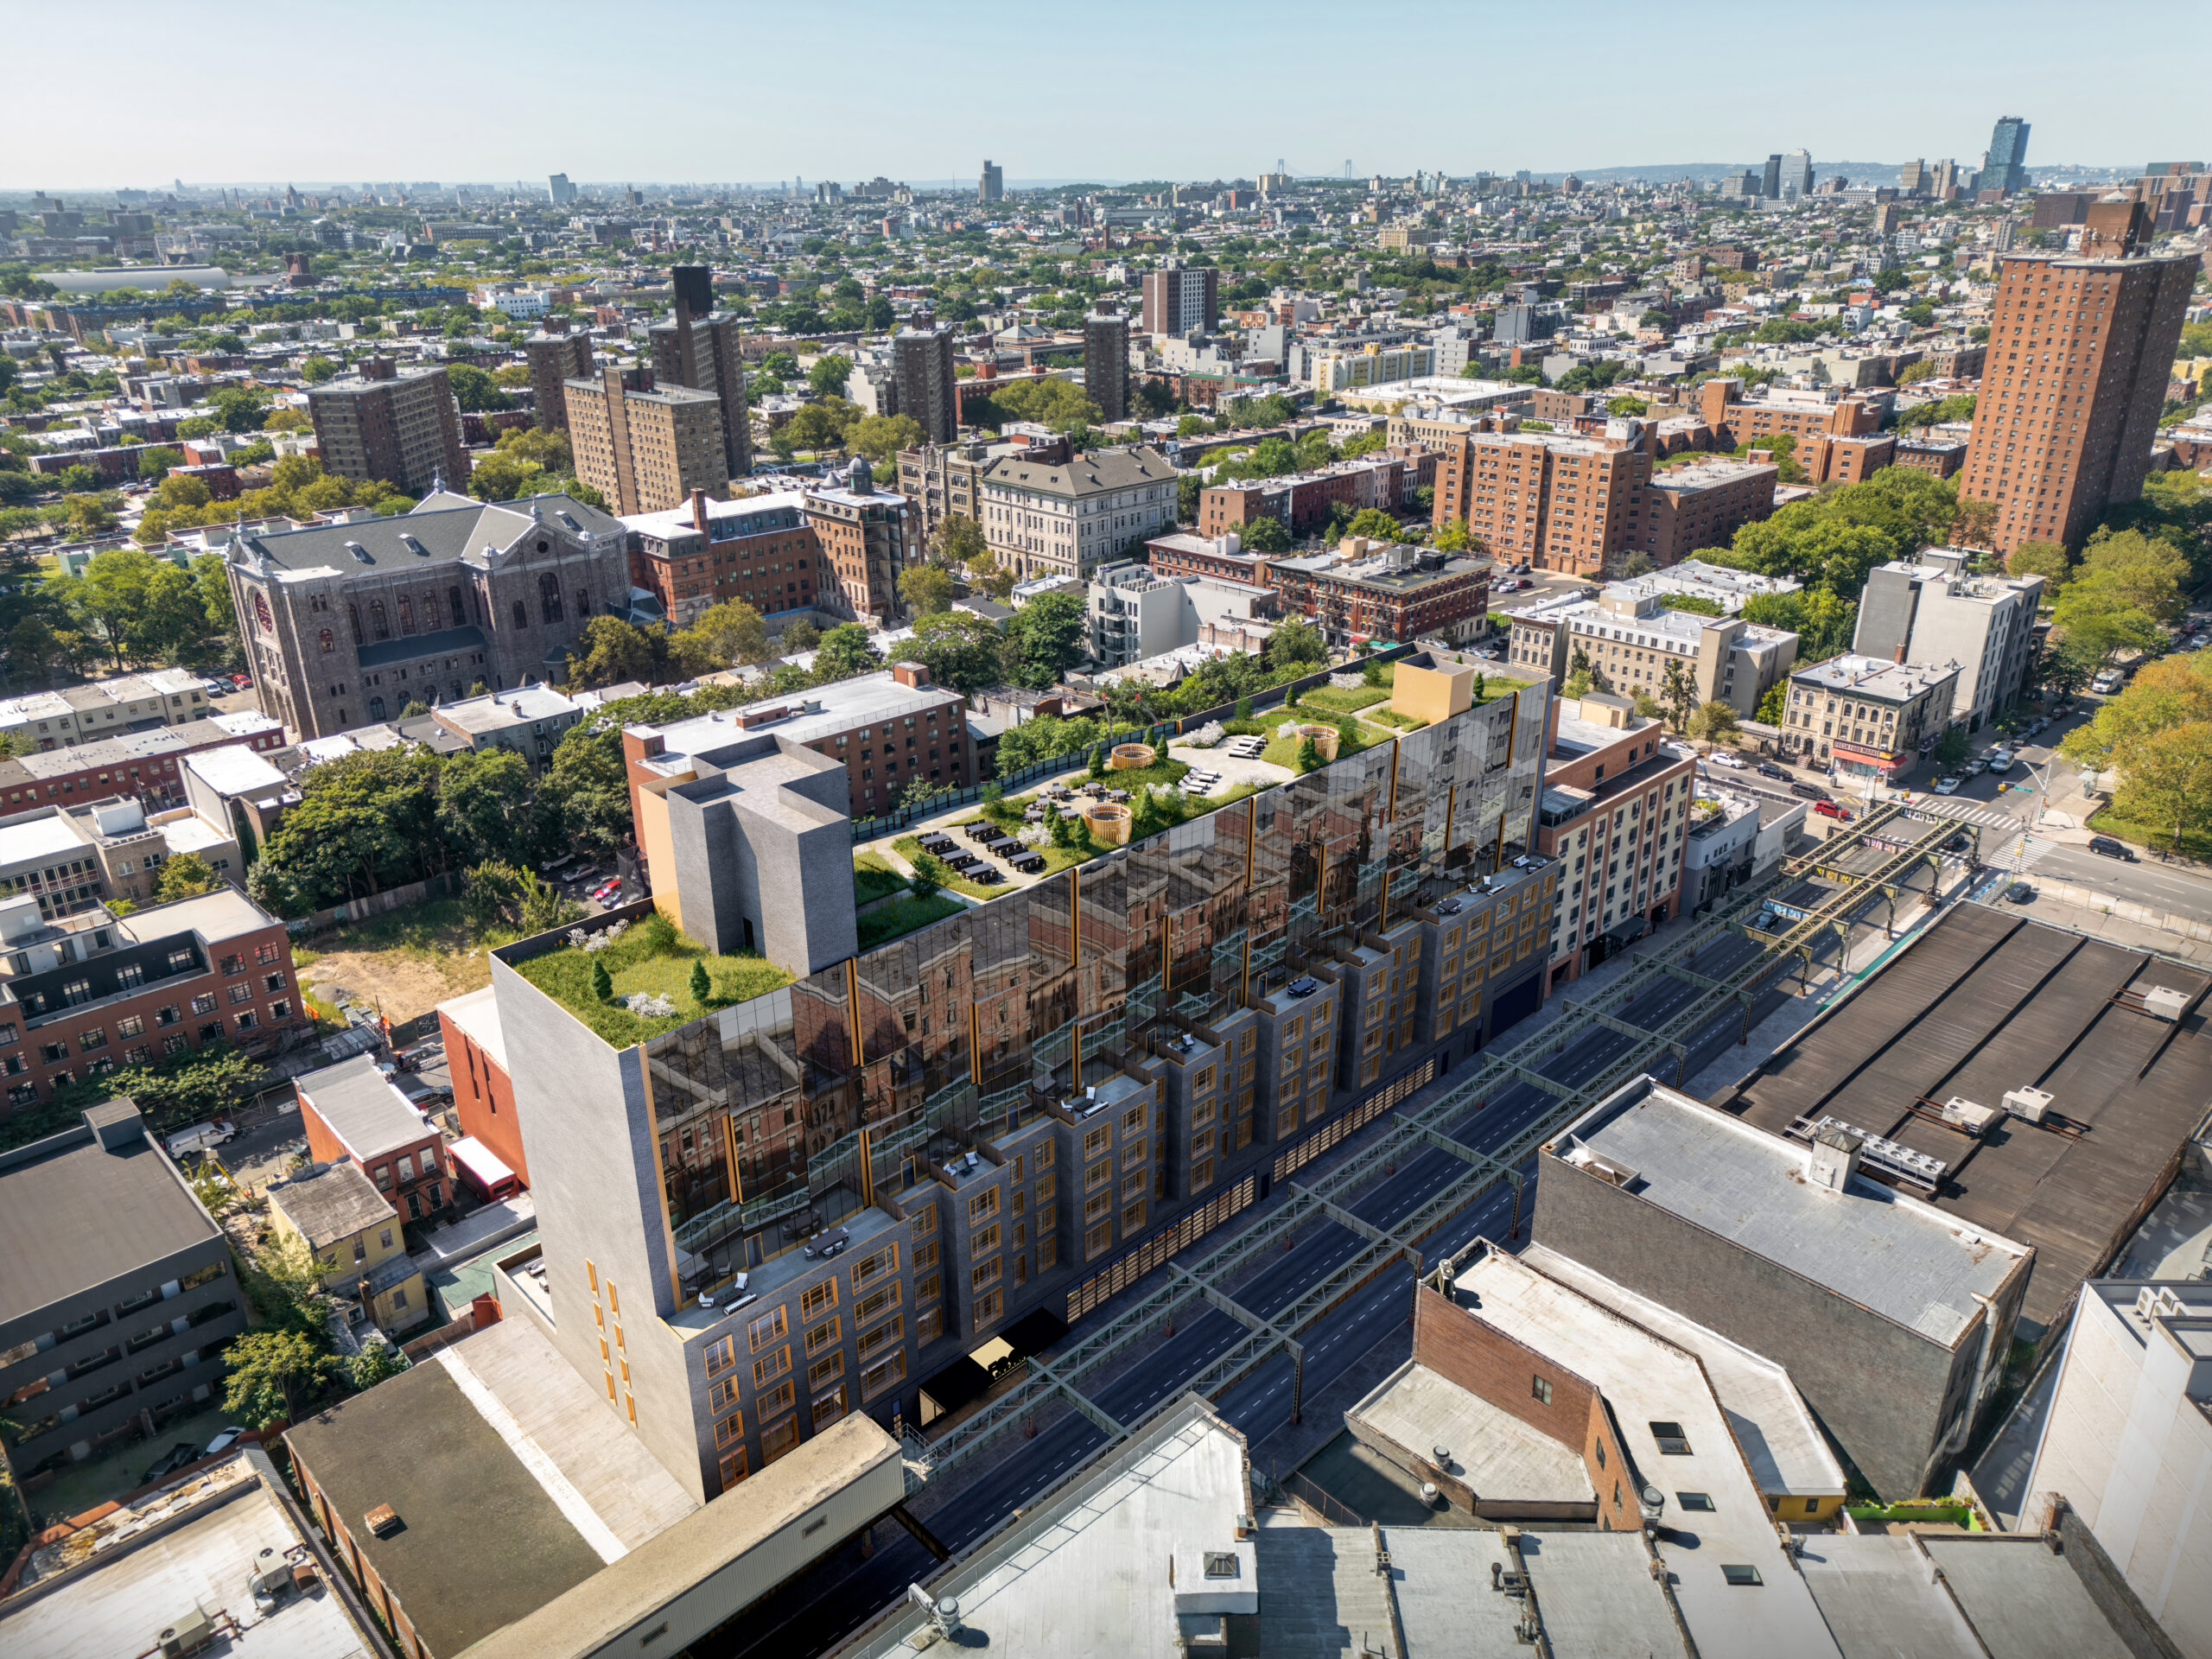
(202, 1137)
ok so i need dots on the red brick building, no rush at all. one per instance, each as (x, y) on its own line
(761, 549)
(353, 1113)
(145, 764)
(1942, 456)
(1392, 594)
(100, 991)
(483, 1090)
(1615, 813)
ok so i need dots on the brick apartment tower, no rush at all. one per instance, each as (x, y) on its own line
(923, 366)
(645, 449)
(555, 355)
(1179, 298)
(1106, 364)
(699, 347)
(401, 429)
(2074, 379)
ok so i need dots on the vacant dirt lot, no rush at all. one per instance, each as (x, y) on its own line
(406, 963)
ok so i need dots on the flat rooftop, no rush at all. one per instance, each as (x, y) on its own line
(1773, 1427)
(35, 839)
(83, 1216)
(1646, 1381)
(221, 912)
(1900, 1258)
(1496, 1454)
(362, 1108)
(1873, 676)
(238, 770)
(847, 703)
(102, 1592)
(525, 1486)
(1084, 1571)
(1984, 1002)
(477, 1014)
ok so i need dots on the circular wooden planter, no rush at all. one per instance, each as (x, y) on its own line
(1108, 821)
(1325, 738)
(1130, 757)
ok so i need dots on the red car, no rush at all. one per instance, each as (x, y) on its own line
(1830, 810)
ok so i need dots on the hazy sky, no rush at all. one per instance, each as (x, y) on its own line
(140, 91)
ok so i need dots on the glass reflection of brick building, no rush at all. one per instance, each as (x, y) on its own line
(1023, 1108)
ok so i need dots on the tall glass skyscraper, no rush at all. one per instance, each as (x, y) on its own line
(2005, 165)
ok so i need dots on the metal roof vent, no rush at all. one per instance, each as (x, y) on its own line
(2163, 1003)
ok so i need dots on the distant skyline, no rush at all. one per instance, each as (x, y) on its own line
(673, 90)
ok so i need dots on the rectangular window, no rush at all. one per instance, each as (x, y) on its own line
(869, 1306)
(729, 1429)
(775, 1400)
(720, 1395)
(1099, 1238)
(868, 1266)
(733, 1467)
(890, 1330)
(129, 1026)
(1541, 1389)
(984, 1242)
(821, 1336)
(983, 1273)
(984, 1204)
(825, 1370)
(1699, 1502)
(817, 1298)
(769, 1328)
(1673, 1442)
(1744, 1577)
(771, 1366)
(885, 1373)
(1132, 1218)
(721, 1356)
(1095, 1142)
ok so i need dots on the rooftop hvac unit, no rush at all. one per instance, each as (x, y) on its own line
(2031, 1103)
(1970, 1116)
(189, 1635)
(2159, 1302)
(2163, 1003)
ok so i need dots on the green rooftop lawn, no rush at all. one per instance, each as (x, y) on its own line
(651, 957)
(902, 916)
(873, 878)
(1340, 699)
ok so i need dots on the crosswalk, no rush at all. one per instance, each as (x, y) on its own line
(1965, 811)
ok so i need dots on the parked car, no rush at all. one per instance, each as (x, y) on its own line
(2020, 893)
(202, 1137)
(2107, 682)
(1946, 785)
(1768, 769)
(2106, 846)
(224, 1441)
(2000, 760)
(1975, 767)
(174, 1458)
(1810, 792)
(1841, 813)
(1727, 757)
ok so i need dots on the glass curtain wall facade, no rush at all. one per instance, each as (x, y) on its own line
(1044, 1097)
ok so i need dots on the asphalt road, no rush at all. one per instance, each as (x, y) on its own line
(846, 1588)
(2165, 887)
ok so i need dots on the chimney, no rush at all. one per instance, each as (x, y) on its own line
(699, 511)
(912, 675)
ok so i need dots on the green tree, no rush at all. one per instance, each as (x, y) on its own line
(880, 437)
(1952, 748)
(821, 425)
(829, 375)
(845, 652)
(1774, 704)
(474, 391)
(959, 541)
(183, 877)
(155, 460)
(272, 1375)
(702, 988)
(239, 409)
(1309, 755)
(1677, 695)
(925, 588)
(2130, 571)
(375, 1363)
(316, 368)
(796, 637)
(1264, 536)
(212, 576)
(2167, 780)
(1375, 525)
(1296, 643)
(1713, 722)
(602, 982)
(504, 477)
(614, 652)
(2044, 559)
(734, 632)
(931, 873)
(959, 649)
(1046, 638)
(485, 806)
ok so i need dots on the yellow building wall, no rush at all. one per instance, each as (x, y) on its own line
(654, 842)
(1432, 694)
